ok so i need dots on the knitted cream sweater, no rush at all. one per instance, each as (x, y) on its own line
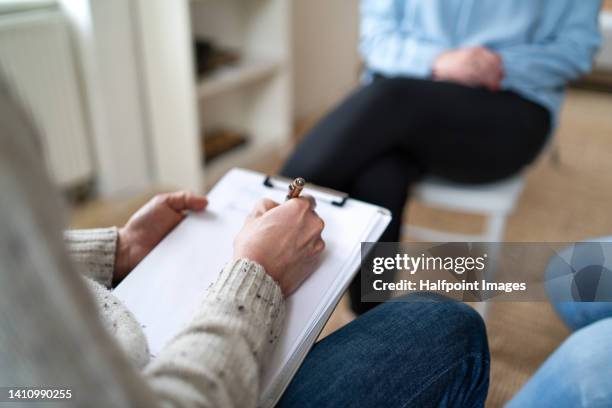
(242, 290)
(51, 333)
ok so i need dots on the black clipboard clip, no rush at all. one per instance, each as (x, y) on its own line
(328, 195)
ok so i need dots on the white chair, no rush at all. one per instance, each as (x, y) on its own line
(495, 201)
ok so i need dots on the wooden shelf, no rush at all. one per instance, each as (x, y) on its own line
(233, 77)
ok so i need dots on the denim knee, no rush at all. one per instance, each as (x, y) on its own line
(445, 341)
(588, 351)
(579, 372)
(466, 321)
(455, 323)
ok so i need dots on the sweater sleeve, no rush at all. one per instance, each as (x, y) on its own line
(59, 339)
(217, 360)
(237, 323)
(51, 331)
(93, 251)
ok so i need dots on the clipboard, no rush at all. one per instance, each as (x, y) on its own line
(323, 194)
(165, 289)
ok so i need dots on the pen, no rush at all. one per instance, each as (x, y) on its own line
(295, 188)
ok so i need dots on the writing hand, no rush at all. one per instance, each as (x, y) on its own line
(285, 239)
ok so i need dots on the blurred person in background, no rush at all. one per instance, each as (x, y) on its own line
(60, 331)
(579, 372)
(464, 90)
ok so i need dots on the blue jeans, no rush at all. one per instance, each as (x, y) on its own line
(426, 352)
(579, 373)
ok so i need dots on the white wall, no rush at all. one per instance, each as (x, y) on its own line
(103, 32)
(138, 78)
(325, 58)
(164, 32)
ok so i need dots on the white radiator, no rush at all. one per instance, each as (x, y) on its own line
(37, 58)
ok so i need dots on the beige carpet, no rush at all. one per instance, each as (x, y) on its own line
(568, 202)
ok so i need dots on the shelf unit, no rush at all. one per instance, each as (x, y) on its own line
(254, 95)
(232, 78)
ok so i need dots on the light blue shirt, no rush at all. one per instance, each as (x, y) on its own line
(544, 44)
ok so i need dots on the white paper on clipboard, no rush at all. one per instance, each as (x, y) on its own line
(164, 290)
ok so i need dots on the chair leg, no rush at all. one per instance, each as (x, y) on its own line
(494, 233)
(482, 308)
(495, 228)
(555, 156)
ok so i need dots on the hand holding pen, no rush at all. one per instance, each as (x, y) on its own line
(284, 238)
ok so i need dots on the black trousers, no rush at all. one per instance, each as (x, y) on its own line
(389, 134)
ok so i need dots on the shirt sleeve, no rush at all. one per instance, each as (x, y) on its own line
(93, 251)
(563, 57)
(392, 48)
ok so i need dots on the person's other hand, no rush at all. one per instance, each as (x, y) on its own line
(473, 66)
(285, 239)
(149, 225)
